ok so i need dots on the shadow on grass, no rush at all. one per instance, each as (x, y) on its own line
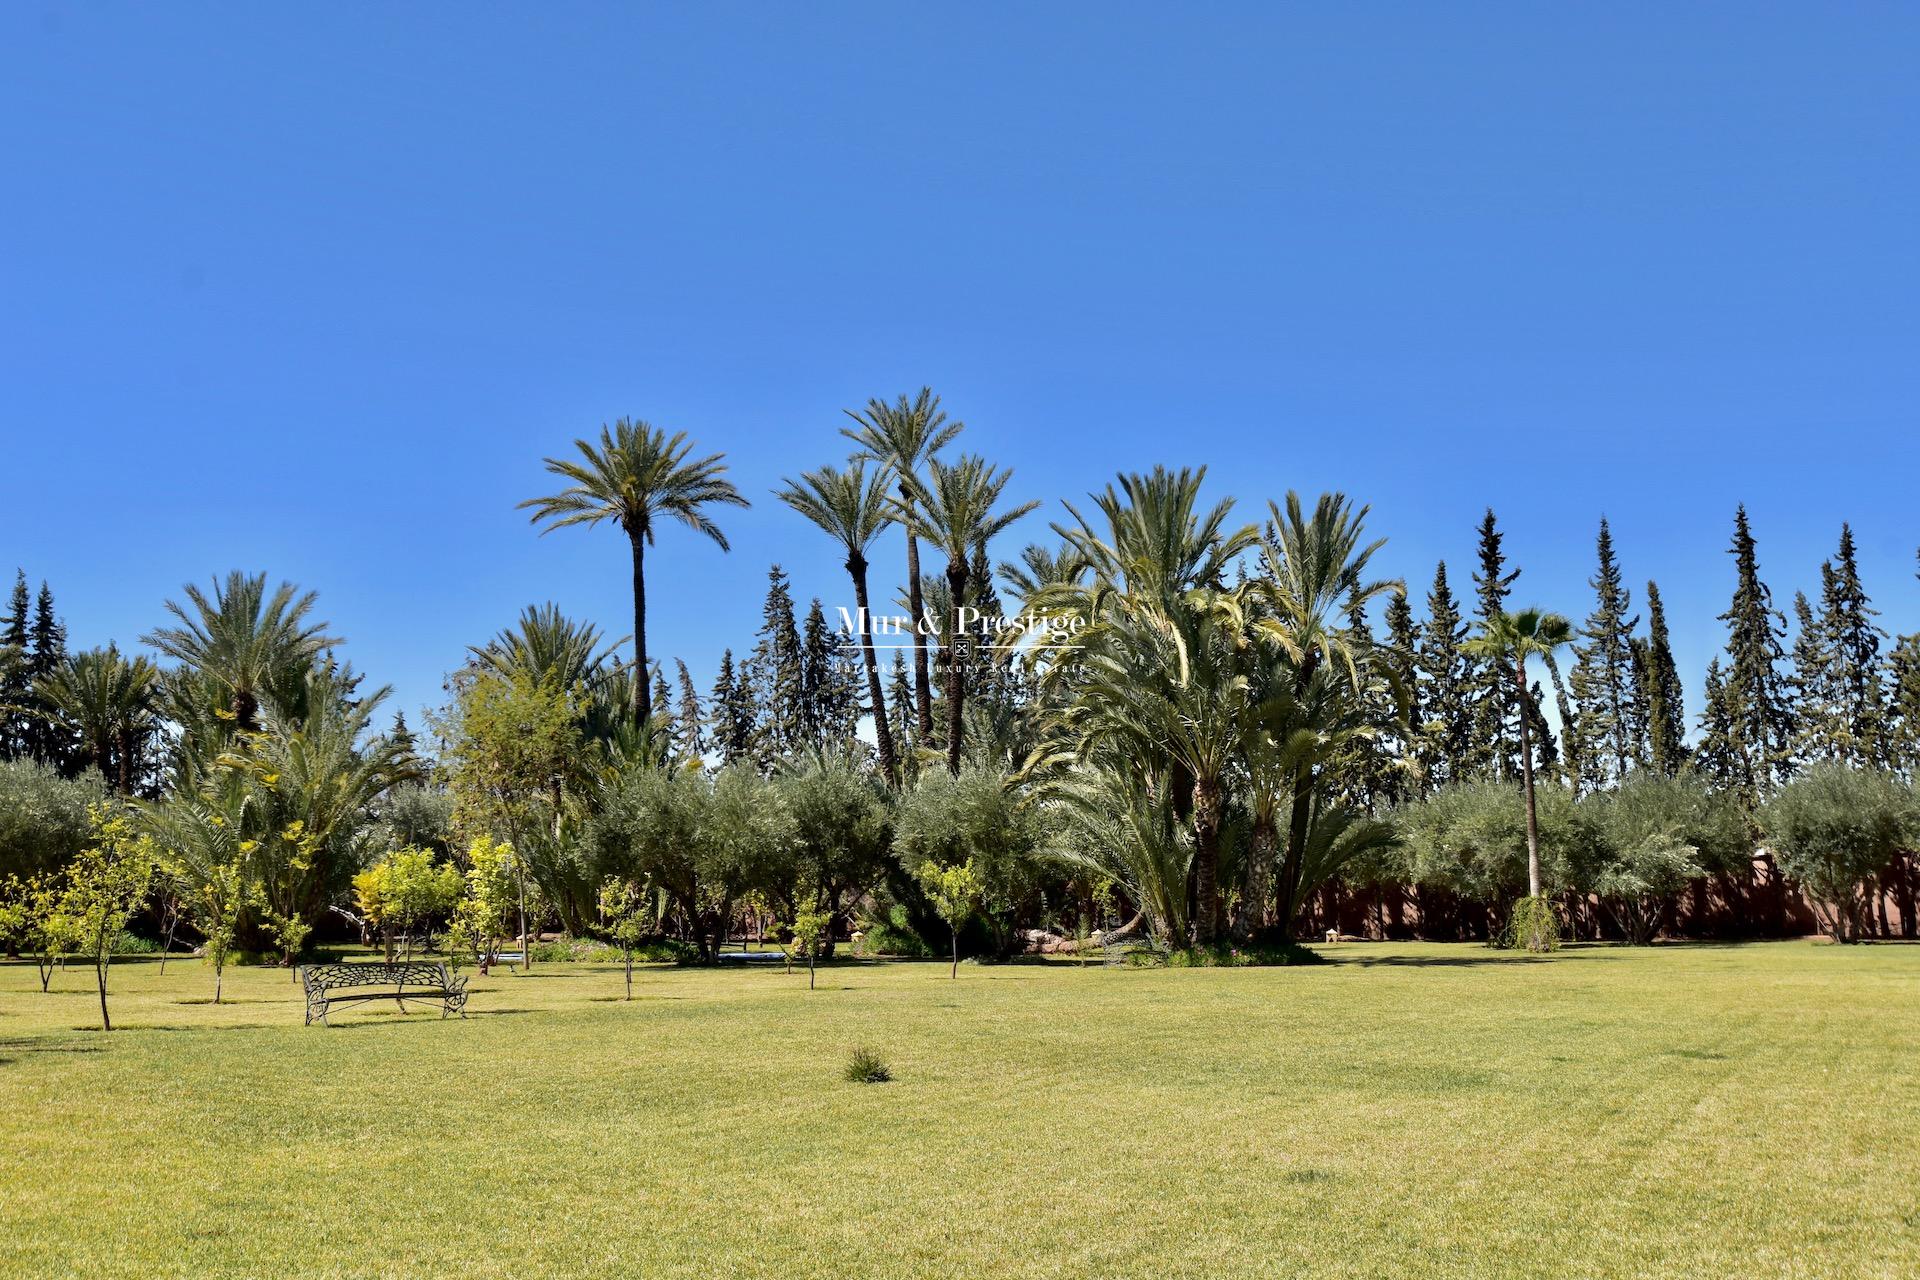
(23, 1044)
(1450, 962)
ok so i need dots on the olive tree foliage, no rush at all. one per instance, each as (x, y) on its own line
(974, 819)
(840, 834)
(1471, 839)
(706, 842)
(43, 817)
(1833, 828)
(417, 817)
(1657, 834)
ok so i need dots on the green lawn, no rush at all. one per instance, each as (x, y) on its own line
(1412, 1110)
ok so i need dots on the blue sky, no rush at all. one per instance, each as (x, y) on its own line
(312, 290)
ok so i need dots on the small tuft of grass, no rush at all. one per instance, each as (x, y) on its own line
(864, 1066)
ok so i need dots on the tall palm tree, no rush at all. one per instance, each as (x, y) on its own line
(905, 435)
(1514, 637)
(111, 702)
(853, 507)
(953, 509)
(635, 474)
(247, 643)
(1316, 583)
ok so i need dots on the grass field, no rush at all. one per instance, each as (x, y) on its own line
(1411, 1110)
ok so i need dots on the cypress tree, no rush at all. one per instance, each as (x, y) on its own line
(690, 739)
(1853, 683)
(1756, 692)
(1496, 732)
(1814, 711)
(734, 713)
(1601, 742)
(900, 697)
(1665, 700)
(828, 704)
(775, 673)
(1903, 680)
(16, 676)
(400, 735)
(1446, 734)
(1719, 757)
(1403, 650)
(661, 700)
(49, 740)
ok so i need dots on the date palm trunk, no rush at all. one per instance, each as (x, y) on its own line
(956, 673)
(1206, 860)
(882, 732)
(916, 603)
(1526, 778)
(642, 690)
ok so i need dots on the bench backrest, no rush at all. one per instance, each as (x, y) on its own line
(412, 974)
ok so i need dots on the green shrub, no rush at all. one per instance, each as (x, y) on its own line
(132, 944)
(1248, 956)
(893, 935)
(1533, 925)
(864, 1066)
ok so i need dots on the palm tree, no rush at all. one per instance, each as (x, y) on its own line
(1514, 637)
(110, 701)
(1316, 582)
(853, 508)
(247, 643)
(547, 645)
(1157, 542)
(636, 473)
(953, 509)
(1165, 690)
(904, 436)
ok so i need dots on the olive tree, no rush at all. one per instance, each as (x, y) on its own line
(1832, 828)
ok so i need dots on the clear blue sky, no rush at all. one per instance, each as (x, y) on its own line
(312, 289)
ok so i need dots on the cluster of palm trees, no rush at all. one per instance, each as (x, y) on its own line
(1195, 739)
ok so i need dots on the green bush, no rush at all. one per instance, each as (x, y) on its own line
(893, 935)
(864, 1066)
(1251, 955)
(126, 943)
(1533, 925)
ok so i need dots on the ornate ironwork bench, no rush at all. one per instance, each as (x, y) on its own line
(329, 984)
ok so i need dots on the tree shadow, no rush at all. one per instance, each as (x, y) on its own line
(1449, 962)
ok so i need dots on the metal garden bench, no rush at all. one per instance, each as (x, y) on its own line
(329, 984)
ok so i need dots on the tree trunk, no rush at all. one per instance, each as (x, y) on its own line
(1206, 861)
(956, 674)
(922, 686)
(100, 963)
(642, 690)
(882, 732)
(1253, 905)
(954, 972)
(1526, 775)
